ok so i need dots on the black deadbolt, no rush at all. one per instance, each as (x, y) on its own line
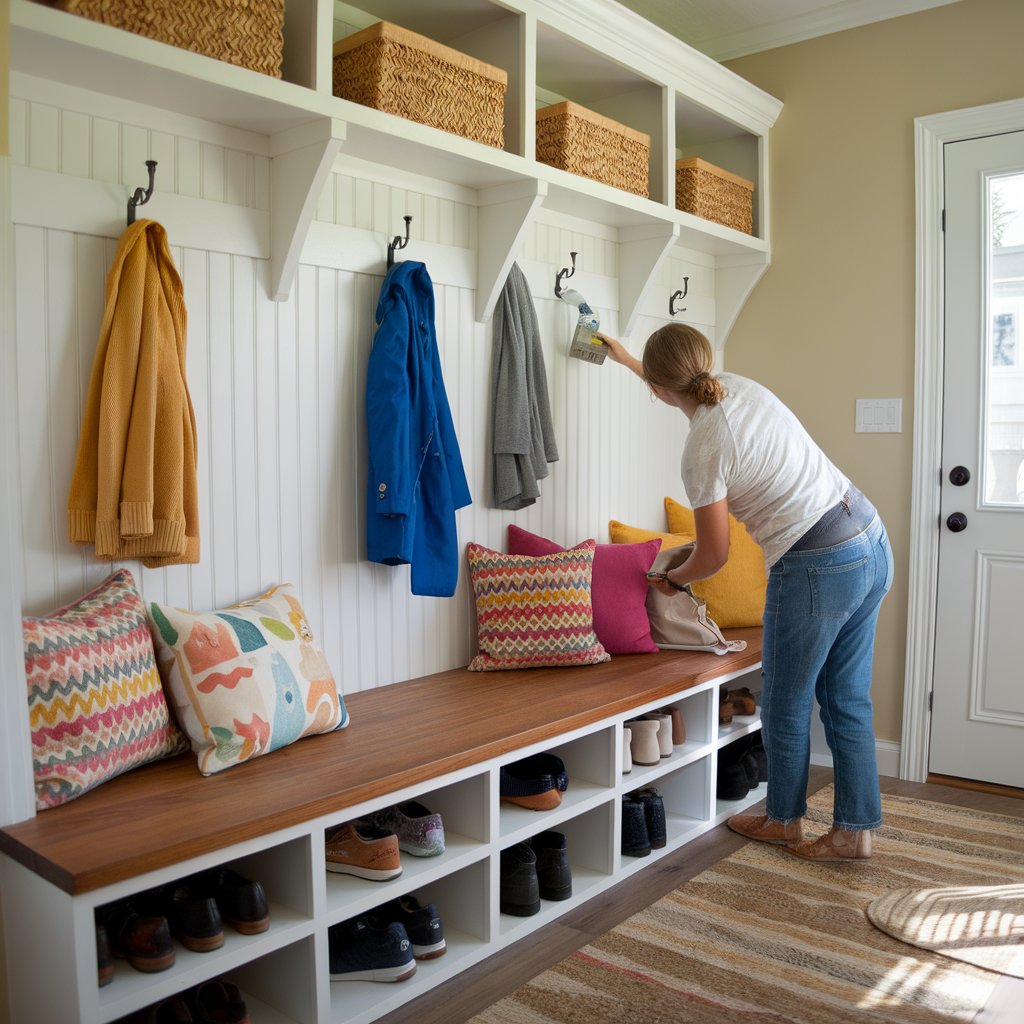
(959, 475)
(957, 522)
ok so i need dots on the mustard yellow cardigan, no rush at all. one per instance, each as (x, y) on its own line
(134, 492)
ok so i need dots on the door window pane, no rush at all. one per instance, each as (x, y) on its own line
(1004, 419)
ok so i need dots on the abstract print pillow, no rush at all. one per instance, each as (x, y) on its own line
(245, 680)
(534, 611)
(95, 703)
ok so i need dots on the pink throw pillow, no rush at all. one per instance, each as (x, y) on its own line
(618, 588)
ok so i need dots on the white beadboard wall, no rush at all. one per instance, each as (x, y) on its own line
(278, 387)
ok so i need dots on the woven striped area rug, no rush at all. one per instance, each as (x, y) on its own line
(764, 937)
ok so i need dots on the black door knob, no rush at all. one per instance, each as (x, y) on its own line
(957, 522)
(959, 475)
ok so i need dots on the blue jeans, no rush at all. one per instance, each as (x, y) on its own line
(819, 636)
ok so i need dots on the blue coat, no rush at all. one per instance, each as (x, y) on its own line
(416, 479)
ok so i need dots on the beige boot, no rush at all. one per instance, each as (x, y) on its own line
(765, 830)
(836, 845)
(644, 741)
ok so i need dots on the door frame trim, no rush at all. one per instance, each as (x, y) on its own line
(931, 134)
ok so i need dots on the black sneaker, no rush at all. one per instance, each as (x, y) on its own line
(654, 816)
(520, 889)
(359, 950)
(635, 840)
(421, 923)
(554, 876)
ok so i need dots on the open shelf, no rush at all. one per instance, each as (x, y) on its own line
(305, 126)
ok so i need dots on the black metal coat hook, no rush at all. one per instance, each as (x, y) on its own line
(398, 242)
(564, 272)
(142, 195)
(680, 294)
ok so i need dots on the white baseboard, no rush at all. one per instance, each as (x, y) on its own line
(886, 751)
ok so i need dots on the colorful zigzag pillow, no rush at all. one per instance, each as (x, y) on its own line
(534, 611)
(247, 679)
(96, 706)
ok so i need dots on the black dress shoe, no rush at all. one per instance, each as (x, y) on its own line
(194, 918)
(138, 932)
(242, 902)
(104, 962)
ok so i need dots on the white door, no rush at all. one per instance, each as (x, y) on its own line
(977, 729)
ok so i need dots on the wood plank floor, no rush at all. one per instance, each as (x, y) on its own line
(459, 999)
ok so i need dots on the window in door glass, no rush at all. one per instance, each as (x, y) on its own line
(1004, 385)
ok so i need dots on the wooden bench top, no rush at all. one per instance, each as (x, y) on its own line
(400, 735)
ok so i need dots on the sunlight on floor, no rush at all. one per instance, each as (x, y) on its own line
(913, 981)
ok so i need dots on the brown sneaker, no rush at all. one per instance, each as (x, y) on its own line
(836, 845)
(765, 830)
(356, 848)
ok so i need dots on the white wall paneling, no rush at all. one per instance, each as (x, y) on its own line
(278, 389)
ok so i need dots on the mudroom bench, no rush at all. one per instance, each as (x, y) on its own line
(440, 739)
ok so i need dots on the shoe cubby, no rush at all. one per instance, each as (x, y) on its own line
(281, 987)
(464, 809)
(686, 794)
(591, 864)
(590, 764)
(285, 874)
(464, 905)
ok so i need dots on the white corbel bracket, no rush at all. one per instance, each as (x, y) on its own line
(642, 248)
(504, 214)
(301, 159)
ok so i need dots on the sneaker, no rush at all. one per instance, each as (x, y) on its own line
(359, 950)
(554, 876)
(357, 848)
(419, 832)
(421, 923)
(520, 889)
(635, 840)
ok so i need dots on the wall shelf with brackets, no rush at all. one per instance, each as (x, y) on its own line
(612, 61)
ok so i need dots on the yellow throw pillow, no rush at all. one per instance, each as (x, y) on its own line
(735, 594)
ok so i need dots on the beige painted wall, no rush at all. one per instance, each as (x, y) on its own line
(5, 52)
(833, 318)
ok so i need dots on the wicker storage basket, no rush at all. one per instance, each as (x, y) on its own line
(249, 33)
(400, 72)
(709, 192)
(581, 141)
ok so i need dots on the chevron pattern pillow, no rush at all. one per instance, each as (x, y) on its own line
(96, 706)
(534, 611)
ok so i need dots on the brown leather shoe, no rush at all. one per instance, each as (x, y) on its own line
(765, 830)
(837, 845)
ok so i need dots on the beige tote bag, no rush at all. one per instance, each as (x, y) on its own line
(680, 622)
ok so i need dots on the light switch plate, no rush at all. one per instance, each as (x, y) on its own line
(879, 416)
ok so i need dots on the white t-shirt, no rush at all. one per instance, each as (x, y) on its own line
(753, 451)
